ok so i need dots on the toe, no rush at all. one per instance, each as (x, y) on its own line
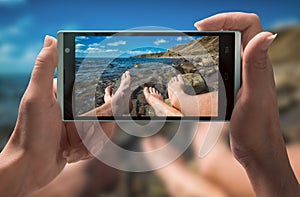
(108, 90)
(146, 91)
(171, 81)
(123, 76)
(180, 78)
(176, 78)
(127, 74)
(150, 90)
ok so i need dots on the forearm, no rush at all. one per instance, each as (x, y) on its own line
(272, 175)
(15, 179)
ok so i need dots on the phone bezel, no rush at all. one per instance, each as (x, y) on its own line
(231, 74)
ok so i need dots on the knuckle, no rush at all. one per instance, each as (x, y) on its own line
(33, 101)
(259, 63)
(255, 17)
(254, 102)
(255, 20)
(29, 101)
(46, 57)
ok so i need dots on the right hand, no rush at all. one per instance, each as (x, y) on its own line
(256, 139)
(255, 118)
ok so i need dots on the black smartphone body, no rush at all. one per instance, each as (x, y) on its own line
(148, 75)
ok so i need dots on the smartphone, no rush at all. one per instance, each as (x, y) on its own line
(148, 75)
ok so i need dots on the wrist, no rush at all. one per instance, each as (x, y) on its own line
(271, 173)
(15, 176)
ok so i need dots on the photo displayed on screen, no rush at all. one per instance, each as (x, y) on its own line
(140, 76)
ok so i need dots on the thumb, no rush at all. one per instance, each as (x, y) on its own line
(257, 68)
(41, 81)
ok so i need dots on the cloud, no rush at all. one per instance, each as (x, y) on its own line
(179, 39)
(142, 52)
(121, 42)
(92, 49)
(97, 50)
(111, 50)
(82, 38)
(184, 38)
(20, 28)
(20, 42)
(80, 51)
(7, 49)
(79, 45)
(136, 52)
(160, 41)
(14, 59)
(97, 45)
(18, 47)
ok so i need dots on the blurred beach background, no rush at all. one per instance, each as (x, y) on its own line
(24, 23)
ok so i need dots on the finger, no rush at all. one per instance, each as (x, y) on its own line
(257, 68)
(248, 24)
(41, 82)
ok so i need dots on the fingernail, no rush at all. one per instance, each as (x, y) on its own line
(270, 40)
(195, 24)
(48, 41)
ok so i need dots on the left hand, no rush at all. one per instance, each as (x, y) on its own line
(43, 142)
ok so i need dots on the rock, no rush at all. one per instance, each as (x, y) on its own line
(200, 64)
(195, 84)
(209, 63)
(137, 66)
(210, 71)
(185, 67)
(140, 106)
(197, 59)
(179, 68)
(157, 76)
(207, 44)
(188, 67)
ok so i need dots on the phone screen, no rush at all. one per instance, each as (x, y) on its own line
(164, 75)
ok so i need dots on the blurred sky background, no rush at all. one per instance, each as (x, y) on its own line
(24, 23)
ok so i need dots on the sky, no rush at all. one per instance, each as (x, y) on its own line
(126, 46)
(24, 23)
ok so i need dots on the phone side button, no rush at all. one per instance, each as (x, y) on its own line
(226, 76)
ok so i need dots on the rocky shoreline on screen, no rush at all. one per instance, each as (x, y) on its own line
(199, 67)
